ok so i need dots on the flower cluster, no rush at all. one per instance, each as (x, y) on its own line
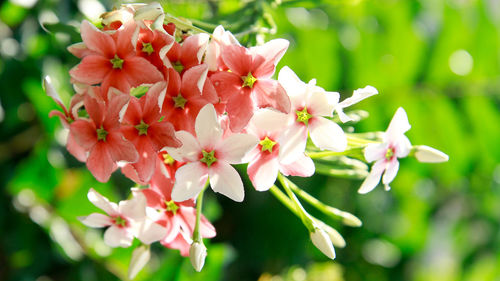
(175, 110)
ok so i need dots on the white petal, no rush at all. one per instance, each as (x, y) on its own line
(359, 95)
(427, 154)
(189, 150)
(327, 134)
(96, 220)
(207, 127)
(403, 146)
(322, 241)
(115, 236)
(140, 257)
(321, 103)
(292, 143)
(102, 202)
(189, 180)
(375, 151)
(226, 180)
(234, 148)
(292, 84)
(342, 116)
(149, 231)
(373, 178)
(302, 167)
(399, 125)
(134, 208)
(263, 175)
(390, 171)
(269, 120)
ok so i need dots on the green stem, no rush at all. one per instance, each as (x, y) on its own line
(199, 205)
(315, 155)
(306, 218)
(284, 199)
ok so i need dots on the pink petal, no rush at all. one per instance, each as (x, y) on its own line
(102, 202)
(269, 93)
(96, 220)
(266, 57)
(292, 143)
(237, 59)
(303, 167)
(95, 109)
(154, 102)
(234, 148)
(91, 70)
(140, 71)
(153, 198)
(146, 164)
(194, 79)
(100, 163)
(133, 115)
(193, 49)
(123, 37)
(373, 178)
(84, 133)
(75, 149)
(207, 127)
(327, 134)
(225, 179)
(79, 50)
(118, 237)
(97, 40)
(162, 134)
(227, 84)
(116, 107)
(120, 149)
(116, 79)
(240, 108)
(190, 179)
(189, 150)
(263, 171)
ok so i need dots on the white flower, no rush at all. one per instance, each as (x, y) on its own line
(209, 154)
(395, 145)
(197, 255)
(427, 154)
(126, 220)
(309, 104)
(357, 96)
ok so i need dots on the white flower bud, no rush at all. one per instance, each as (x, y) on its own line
(140, 257)
(197, 255)
(322, 241)
(427, 154)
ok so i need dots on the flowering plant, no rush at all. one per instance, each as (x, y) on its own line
(174, 108)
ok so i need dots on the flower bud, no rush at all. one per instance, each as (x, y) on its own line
(322, 241)
(427, 154)
(197, 255)
(149, 12)
(140, 257)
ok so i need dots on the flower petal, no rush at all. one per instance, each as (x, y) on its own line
(189, 150)
(118, 237)
(96, 220)
(373, 178)
(149, 232)
(236, 58)
(121, 149)
(399, 125)
(84, 133)
(270, 93)
(292, 143)
(390, 171)
(263, 172)
(327, 134)
(100, 163)
(359, 95)
(102, 202)
(302, 167)
(190, 179)
(375, 151)
(266, 57)
(234, 148)
(322, 103)
(96, 40)
(140, 71)
(207, 127)
(226, 180)
(91, 70)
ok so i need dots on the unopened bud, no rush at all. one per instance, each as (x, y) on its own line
(140, 257)
(197, 255)
(149, 12)
(322, 241)
(427, 154)
(351, 220)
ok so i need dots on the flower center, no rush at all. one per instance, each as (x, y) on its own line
(142, 128)
(171, 206)
(119, 221)
(267, 144)
(117, 62)
(303, 116)
(167, 159)
(147, 48)
(389, 154)
(101, 134)
(179, 101)
(208, 158)
(249, 80)
(178, 66)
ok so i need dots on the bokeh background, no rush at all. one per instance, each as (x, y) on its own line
(439, 59)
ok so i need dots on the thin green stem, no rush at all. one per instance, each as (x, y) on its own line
(199, 205)
(306, 218)
(284, 199)
(322, 154)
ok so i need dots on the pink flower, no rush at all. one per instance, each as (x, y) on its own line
(190, 53)
(101, 136)
(249, 85)
(309, 104)
(178, 218)
(126, 220)
(185, 97)
(209, 155)
(153, 45)
(110, 58)
(213, 57)
(264, 160)
(142, 126)
(394, 145)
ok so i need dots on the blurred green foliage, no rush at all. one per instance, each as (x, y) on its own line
(439, 59)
